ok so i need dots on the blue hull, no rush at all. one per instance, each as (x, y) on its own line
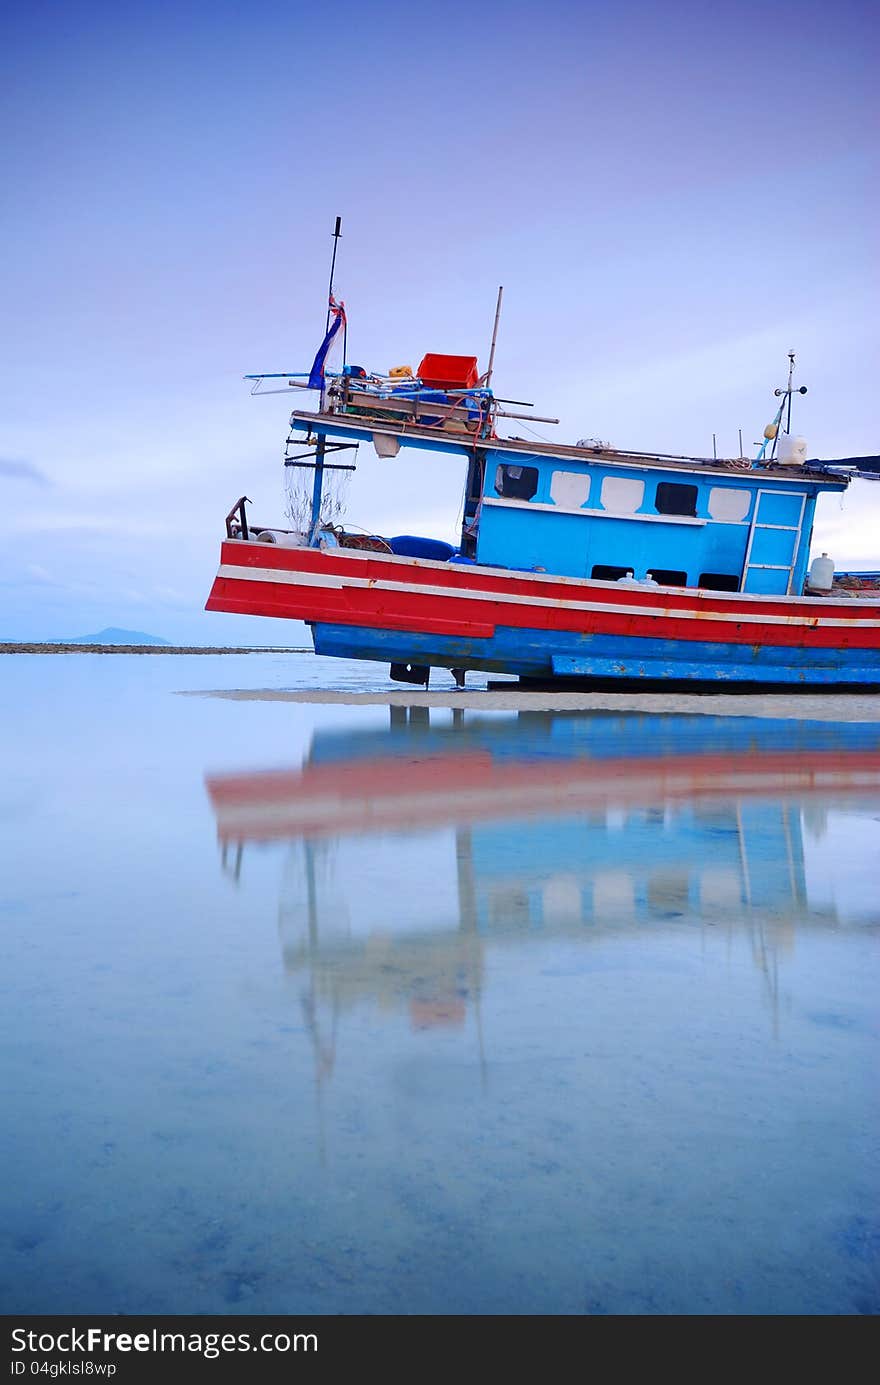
(558, 654)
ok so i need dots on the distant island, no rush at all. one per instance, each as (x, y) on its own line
(112, 635)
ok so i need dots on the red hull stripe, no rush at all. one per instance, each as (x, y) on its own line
(415, 572)
(375, 778)
(646, 603)
(374, 794)
(379, 605)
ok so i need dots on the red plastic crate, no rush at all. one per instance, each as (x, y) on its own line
(448, 372)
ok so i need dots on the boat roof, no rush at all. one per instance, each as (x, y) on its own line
(361, 427)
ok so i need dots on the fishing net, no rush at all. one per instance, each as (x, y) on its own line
(298, 488)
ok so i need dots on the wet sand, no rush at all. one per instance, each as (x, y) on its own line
(805, 707)
(149, 649)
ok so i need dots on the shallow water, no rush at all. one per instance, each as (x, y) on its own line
(329, 1009)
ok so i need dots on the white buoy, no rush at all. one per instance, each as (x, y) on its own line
(280, 536)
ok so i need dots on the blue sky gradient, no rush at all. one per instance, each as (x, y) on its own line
(673, 197)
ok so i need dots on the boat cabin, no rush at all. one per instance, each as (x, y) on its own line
(589, 511)
(717, 528)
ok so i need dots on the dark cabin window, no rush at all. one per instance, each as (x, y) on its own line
(668, 577)
(604, 573)
(673, 499)
(516, 482)
(719, 582)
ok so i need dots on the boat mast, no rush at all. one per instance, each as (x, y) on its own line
(321, 446)
(771, 432)
(785, 396)
(337, 232)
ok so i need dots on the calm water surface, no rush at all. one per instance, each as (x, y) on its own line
(311, 1009)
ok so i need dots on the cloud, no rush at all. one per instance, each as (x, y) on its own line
(22, 471)
(88, 524)
(40, 575)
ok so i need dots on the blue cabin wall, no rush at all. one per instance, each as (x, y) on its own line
(737, 516)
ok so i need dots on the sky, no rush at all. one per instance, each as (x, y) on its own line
(673, 195)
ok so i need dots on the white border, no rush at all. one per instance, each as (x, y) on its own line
(587, 513)
(512, 574)
(336, 582)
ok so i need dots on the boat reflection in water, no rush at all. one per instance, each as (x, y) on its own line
(416, 850)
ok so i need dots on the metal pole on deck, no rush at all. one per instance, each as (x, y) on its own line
(317, 490)
(488, 376)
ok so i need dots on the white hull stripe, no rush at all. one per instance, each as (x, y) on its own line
(516, 576)
(311, 579)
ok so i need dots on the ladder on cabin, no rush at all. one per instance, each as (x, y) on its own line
(774, 540)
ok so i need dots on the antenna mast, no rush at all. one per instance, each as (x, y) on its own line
(788, 391)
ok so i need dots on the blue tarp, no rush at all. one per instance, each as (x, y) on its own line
(411, 546)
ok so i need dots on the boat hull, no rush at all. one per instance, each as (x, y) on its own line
(537, 654)
(401, 610)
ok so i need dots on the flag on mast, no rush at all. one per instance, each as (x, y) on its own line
(337, 315)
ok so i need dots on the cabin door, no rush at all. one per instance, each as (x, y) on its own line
(774, 537)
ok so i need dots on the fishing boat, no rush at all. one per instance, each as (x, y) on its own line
(575, 562)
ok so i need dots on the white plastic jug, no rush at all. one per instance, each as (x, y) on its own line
(821, 576)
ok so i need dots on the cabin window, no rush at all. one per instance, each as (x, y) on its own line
(516, 482)
(729, 503)
(719, 581)
(668, 577)
(622, 495)
(675, 499)
(569, 488)
(604, 572)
